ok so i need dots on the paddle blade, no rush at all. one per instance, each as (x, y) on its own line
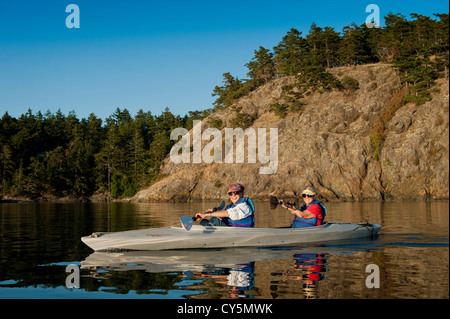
(187, 222)
(273, 202)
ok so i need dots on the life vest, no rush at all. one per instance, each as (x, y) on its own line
(309, 222)
(248, 221)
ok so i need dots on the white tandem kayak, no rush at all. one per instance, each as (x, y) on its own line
(220, 237)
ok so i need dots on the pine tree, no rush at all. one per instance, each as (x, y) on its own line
(315, 46)
(261, 68)
(7, 161)
(331, 42)
(6, 165)
(395, 39)
(353, 48)
(423, 35)
(144, 130)
(115, 157)
(232, 89)
(289, 53)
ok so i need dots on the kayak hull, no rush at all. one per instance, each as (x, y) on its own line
(221, 237)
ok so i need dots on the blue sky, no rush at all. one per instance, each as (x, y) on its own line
(150, 55)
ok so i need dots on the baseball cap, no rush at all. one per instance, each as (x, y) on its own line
(309, 190)
(236, 187)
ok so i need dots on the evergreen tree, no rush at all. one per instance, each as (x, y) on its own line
(81, 162)
(195, 115)
(353, 49)
(424, 35)
(113, 160)
(261, 68)
(289, 53)
(331, 42)
(315, 46)
(442, 44)
(395, 38)
(232, 89)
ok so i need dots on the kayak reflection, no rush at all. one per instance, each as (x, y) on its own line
(223, 273)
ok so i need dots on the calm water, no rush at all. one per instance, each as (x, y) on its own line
(38, 242)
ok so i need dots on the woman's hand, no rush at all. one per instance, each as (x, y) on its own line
(204, 215)
(288, 205)
(292, 204)
(200, 215)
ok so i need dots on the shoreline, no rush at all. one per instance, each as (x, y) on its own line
(104, 199)
(54, 199)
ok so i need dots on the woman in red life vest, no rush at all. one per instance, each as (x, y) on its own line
(312, 212)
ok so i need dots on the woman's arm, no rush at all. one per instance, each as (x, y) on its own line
(220, 214)
(301, 214)
(298, 213)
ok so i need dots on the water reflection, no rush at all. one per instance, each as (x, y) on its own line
(221, 273)
(312, 267)
(235, 281)
(38, 241)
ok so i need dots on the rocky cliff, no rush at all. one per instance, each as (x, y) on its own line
(351, 145)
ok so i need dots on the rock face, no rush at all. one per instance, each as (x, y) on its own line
(329, 145)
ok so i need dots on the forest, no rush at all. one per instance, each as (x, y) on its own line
(63, 156)
(58, 155)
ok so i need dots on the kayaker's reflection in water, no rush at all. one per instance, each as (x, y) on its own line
(312, 265)
(240, 278)
(308, 270)
(240, 213)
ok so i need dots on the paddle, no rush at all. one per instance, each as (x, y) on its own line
(274, 202)
(187, 221)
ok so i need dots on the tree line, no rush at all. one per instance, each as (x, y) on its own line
(59, 155)
(418, 48)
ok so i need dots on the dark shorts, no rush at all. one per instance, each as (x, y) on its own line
(214, 221)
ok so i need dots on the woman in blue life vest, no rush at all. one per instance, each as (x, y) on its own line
(312, 212)
(239, 213)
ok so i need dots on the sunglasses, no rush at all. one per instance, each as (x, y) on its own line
(233, 193)
(307, 195)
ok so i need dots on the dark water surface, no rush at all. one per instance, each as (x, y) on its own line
(39, 241)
